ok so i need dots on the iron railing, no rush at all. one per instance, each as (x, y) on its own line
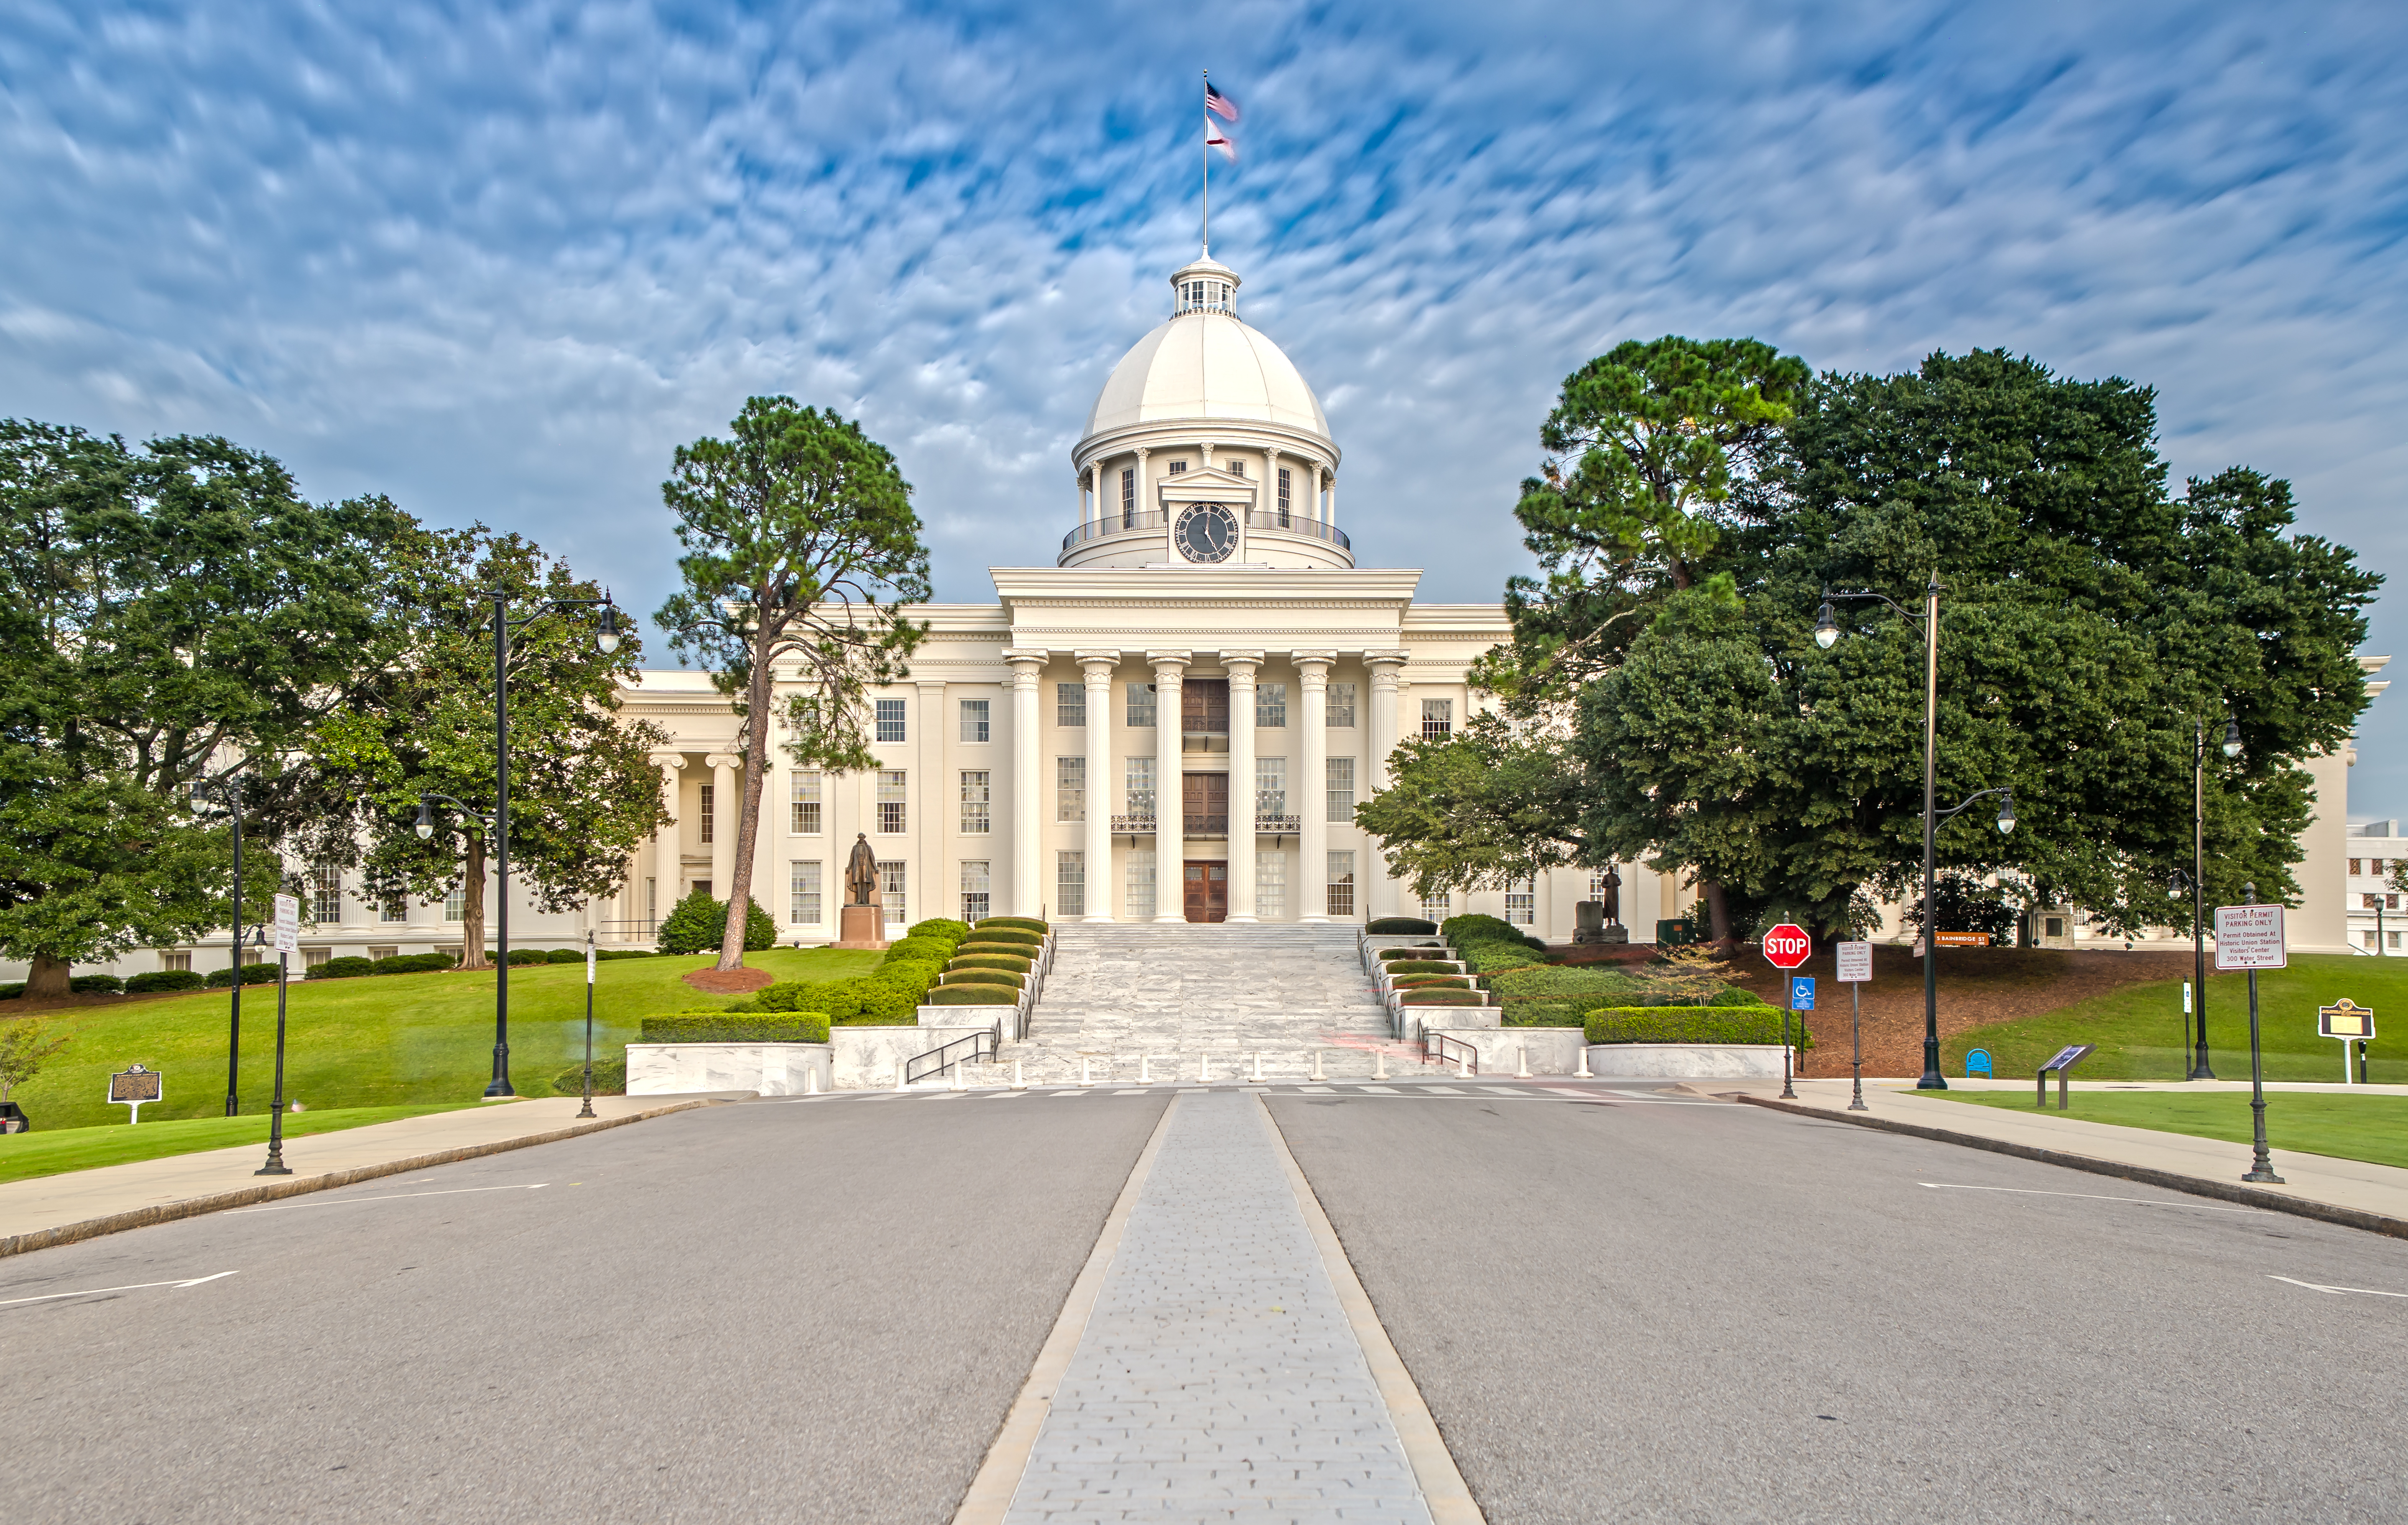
(981, 1044)
(1438, 1047)
(1153, 521)
(1129, 523)
(1133, 825)
(1295, 523)
(1207, 825)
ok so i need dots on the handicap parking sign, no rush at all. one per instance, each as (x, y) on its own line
(1801, 993)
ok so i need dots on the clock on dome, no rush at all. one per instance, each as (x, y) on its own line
(1207, 532)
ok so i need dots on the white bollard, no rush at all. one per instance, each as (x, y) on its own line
(1581, 1074)
(1524, 1073)
(1017, 1083)
(1258, 1066)
(1204, 1071)
(959, 1083)
(1316, 1066)
(1380, 1065)
(1087, 1071)
(898, 1074)
(810, 1082)
(1463, 1066)
(1145, 1069)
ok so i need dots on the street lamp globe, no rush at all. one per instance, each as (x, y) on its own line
(606, 640)
(425, 821)
(2007, 813)
(1827, 627)
(2231, 738)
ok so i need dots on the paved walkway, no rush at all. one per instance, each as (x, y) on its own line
(1218, 1378)
(2313, 1178)
(80, 1196)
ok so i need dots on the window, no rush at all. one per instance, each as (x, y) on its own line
(890, 890)
(2369, 902)
(1286, 496)
(652, 904)
(1137, 899)
(1342, 705)
(2395, 938)
(455, 904)
(1437, 907)
(977, 795)
(2375, 867)
(182, 962)
(1270, 706)
(698, 887)
(1070, 789)
(803, 894)
(1070, 703)
(2370, 939)
(1437, 718)
(312, 957)
(395, 910)
(383, 952)
(326, 896)
(1237, 467)
(1140, 788)
(1271, 788)
(1178, 467)
(1070, 883)
(804, 791)
(1522, 902)
(1129, 498)
(1341, 790)
(710, 813)
(1270, 885)
(978, 890)
(890, 720)
(2391, 903)
(1140, 704)
(974, 719)
(891, 818)
(2353, 867)
(1341, 884)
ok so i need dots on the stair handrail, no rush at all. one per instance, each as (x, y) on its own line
(1435, 1047)
(984, 1044)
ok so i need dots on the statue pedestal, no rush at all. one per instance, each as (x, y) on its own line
(862, 926)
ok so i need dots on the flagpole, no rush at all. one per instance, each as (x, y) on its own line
(1207, 168)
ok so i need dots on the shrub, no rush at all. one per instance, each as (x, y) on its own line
(1418, 950)
(987, 931)
(698, 923)
(910, 950)
(889, 1004)
(560, 955)
(609, 1078)
(1022, 923)
(973, 995)
(347, 967)
(1444, 998)
(738, 1027)
(413, 963)
(839, 1000)
(1013, 950)
(1431, 982)
(1395, 925)
(979, 976)
(1421, 967)
(178, 979)
(1737, 997)
(97, 985)
(253, 974)
(522, 957)
(1495, 958)
(12, 990)
(937, 926)
(606, 953)
(993, 960)
(1689, 1024)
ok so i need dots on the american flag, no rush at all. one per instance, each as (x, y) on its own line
(1216, 138)
(1218, 104)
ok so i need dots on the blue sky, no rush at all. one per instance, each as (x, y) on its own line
(498, 260)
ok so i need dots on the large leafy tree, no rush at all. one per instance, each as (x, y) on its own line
(166, 611)
(584, 793)
(801, 545)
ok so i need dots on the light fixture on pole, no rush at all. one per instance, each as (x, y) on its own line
(227, 789)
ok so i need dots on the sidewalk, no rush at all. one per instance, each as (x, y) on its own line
(2353, 1191)
(83, 1204)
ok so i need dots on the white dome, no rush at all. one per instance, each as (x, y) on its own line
(1206, 364)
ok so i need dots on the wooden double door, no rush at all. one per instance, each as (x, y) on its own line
(1208, 890)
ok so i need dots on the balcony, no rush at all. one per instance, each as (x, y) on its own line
(1296, 524)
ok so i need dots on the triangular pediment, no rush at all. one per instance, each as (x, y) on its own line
(1211, 485)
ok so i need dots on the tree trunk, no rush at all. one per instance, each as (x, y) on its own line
(748, 818)
(1717, 913)
(472, 914)
(47, 980)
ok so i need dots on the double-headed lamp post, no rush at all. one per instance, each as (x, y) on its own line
(2194, 882)
(1826, 634)
(606, 640)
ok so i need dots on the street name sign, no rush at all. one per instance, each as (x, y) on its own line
(1855, 962)
(2250, 938)
(1786, 946)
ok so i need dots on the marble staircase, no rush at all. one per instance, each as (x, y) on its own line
(1179, 995)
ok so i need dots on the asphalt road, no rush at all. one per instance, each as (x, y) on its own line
(770, 1311)
(1656, 1312)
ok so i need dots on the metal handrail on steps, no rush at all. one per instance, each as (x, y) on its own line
(1438, 1047)
(985, 1044)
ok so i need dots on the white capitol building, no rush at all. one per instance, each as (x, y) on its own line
(1171, 722)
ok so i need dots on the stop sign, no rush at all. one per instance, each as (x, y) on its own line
(1786, 946)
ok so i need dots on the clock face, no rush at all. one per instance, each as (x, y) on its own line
(1206, 533)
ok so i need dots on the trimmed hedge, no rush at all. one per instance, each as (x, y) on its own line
(560, 955)
(346, 967)
(411, 964)
(1396, 925)
(1460, 930)
(738, 1027)
(172, 979)
(973, 995)
(253, 974)
(1432, 982)
(987, 931)
(937, 926)
(1416, 950)
(697, 923)
(1004, 962)
(1689, 1024)
(1423, 966)
(608, 953)
(909, 949)
(97, 985)
(609, 1078)
(980, 977)
(1022, 923)
(1011, 950)
(1443, 998)
(12, 990)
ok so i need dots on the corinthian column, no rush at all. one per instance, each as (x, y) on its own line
(1097, 666)
(1379, 895)
(1170, 790)
(1027, 833)
(724, 823)
(1242, 665)
(1312, 791)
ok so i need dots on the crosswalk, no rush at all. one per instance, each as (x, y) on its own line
(1507, 1090)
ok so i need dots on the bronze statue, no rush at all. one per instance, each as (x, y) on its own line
(861, 872)
(1610, 892)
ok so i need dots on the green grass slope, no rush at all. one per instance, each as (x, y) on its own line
(393, 1040)
(2139, 1028)
(2368, 1127)
(23, 1156)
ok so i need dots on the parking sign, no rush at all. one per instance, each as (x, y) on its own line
(1801, 992)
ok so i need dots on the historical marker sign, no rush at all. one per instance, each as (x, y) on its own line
(132, 1088)
(1786, 946)
(1855, 962)
(2250, 938)
(2345, 1019)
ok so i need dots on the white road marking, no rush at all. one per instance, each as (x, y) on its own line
(2337, 1291)
(95, 1291)
(2086, 1196)
(395, 1196)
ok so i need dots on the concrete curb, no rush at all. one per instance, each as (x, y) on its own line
(170, 1212)
(2196, 1185)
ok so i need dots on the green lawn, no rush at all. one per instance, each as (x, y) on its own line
(2370, 1127)
(390, 1040)
(26, 1155)
(2139, 1028)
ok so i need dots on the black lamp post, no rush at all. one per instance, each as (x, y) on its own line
(2195, 882)
(275, 1165)
(2261, 1163)
(228, 790)
(606, 640)
(587, 1110)
(1826, 634)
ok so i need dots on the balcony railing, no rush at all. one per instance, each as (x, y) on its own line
(1296, 524)
(1276, 825)
(1207, 825)
(1154, 521)
(1133, 825)
(1129, 523)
